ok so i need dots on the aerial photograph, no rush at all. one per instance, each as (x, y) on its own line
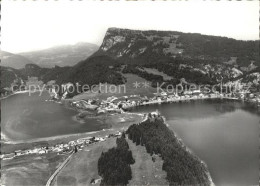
(130, 93)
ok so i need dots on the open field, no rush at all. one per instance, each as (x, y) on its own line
(156, 72)
(144, 170)
(120, 90)
(29, 170)
(82, 168)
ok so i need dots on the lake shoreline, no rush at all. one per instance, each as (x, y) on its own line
(115, 122)
(189, 151)
(117, 125)
(15, 93)
(7, 140)
(111, 132)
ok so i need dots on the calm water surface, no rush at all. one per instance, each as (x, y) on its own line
(30, 117)
(224, 134)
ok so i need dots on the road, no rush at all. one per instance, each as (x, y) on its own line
(58, 170)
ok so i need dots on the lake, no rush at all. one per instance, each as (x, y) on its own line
(27, 117)
(224, 134)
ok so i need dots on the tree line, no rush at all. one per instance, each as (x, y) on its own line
(182, 167)
(114, 165)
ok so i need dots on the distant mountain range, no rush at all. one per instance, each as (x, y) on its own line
(66, 55)
(194, 58)
(13, 60)
(152, 55)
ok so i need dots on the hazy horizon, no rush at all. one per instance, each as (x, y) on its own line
(42, 25)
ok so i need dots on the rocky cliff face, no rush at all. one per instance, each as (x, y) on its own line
(154, 55)
(135, 43)
(213, 57)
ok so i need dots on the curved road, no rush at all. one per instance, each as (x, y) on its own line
(58, 170)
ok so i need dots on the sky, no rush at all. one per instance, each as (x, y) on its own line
(34, 25)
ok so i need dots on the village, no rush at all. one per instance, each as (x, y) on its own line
(74, 145)
(122, 104)
(119, 105)
(62, 148)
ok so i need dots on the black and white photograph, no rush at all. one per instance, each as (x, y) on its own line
(135, 93)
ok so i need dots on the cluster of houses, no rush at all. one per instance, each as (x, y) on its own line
(66, 148)
(152, 116)
(118, 105)
(109, 105)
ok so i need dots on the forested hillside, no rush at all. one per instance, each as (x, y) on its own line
(10, 75)
(152, 44)
(114, 165)
(196, 58)
(182, 167)
(94, 70)
(183, 57)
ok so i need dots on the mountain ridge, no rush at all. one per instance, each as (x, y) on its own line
(172, 43)
(62, 55)
(174, 31)
(183, 57)
(172, 49)
(14, 60)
